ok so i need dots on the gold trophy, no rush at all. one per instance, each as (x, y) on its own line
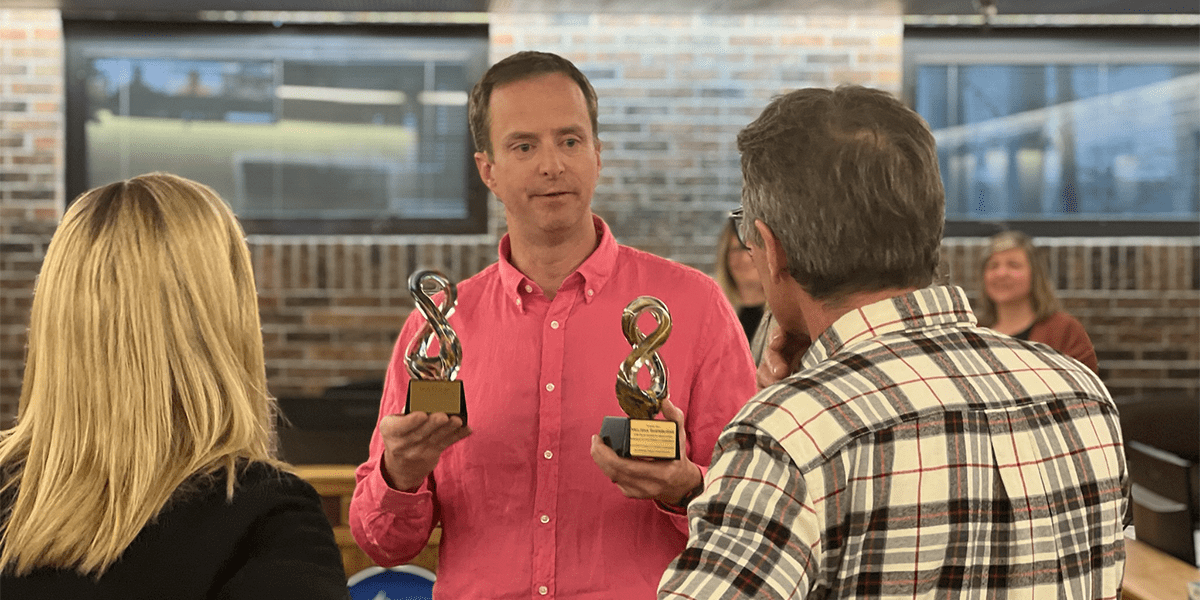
(432, 386)
(640, 435)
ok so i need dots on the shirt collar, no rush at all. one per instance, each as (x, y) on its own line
(929, 307)
(595, 271)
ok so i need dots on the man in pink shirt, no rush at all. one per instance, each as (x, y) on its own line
(531, 503)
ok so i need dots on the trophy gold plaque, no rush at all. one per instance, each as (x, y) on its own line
(640, 435)
(433, 386)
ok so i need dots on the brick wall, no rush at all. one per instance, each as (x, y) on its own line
(331, 308)
(674, 91)
(31, 174)
(1138, 298)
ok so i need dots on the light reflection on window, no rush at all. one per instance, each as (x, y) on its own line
(1044, 142)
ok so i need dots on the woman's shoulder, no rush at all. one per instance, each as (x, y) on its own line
(256, 483)
(1059, 320)
(260, 480)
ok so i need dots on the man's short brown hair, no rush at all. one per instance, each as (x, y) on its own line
(521, 66)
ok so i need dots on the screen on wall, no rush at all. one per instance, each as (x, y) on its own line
(303, 130)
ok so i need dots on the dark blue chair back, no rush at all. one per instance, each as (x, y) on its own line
(406, 582)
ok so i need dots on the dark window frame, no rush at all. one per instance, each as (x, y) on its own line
(76, 31)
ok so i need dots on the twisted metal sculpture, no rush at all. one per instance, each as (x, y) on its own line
(636, 402)
(445, 365)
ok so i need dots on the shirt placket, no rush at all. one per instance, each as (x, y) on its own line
(551, 389)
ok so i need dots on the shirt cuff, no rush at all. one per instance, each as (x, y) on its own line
(391, 499)
(681, 508)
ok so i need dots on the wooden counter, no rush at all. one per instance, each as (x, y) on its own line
(1153, 575)
(335, 484)
(1149, 573)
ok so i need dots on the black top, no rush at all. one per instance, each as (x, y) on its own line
(750, 316)
(271, 541)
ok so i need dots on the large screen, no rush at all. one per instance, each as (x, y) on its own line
(301, 129)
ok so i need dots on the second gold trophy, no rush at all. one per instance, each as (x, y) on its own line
(640, 435)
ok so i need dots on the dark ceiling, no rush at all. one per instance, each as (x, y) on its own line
(150, 8)
(1060, 7)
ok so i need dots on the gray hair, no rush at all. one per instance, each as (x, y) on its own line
(848, 181)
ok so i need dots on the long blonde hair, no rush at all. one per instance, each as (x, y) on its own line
(724, 276)
(1042, 297)
(144, 370)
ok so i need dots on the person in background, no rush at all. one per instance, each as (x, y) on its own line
(1019, 300)
(738, 278)
(141, 464)
(913, 454)
(532, 504)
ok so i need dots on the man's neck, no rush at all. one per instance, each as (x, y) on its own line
(821, 315)
(549, 259)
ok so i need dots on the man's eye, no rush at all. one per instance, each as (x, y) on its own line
(571, 143)
(524, 147)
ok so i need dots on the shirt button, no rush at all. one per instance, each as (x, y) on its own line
(543, 590)
(591, 293)
(518, 301)
(545, 518)
(528, 289)
(553, 324)
(548, 454)
(549, 387)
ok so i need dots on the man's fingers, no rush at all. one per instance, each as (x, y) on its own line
(419, 429)
(604, 457)
(672, 412)
(772, 368)
(777, 338)
(401, 425)
(447, 435)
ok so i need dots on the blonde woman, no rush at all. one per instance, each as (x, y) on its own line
(739, 279)
(1019, 300)
(141, 465)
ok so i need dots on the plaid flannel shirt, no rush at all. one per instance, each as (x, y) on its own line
(914, 455)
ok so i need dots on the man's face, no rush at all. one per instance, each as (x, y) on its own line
(780, 290)
(545, 160)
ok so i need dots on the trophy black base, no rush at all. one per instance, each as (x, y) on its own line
(641, 438)
(436, 396)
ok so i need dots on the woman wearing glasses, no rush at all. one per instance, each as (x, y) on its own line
(739, 278)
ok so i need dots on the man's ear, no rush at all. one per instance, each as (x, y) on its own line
(484, 164)
(776, 257)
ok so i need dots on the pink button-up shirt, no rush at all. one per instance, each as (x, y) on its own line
(525, 512)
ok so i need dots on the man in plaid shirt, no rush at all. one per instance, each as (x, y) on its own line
(912, 454)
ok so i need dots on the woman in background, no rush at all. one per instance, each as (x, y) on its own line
(739, 279)
(142, 462)
(1018, 299)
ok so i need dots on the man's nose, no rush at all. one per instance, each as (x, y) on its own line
(551, 162)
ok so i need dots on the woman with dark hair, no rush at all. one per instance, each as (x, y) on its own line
(1018, 299)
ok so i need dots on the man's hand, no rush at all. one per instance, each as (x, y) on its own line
(413, 444)
(663, 480)
(782, 356)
